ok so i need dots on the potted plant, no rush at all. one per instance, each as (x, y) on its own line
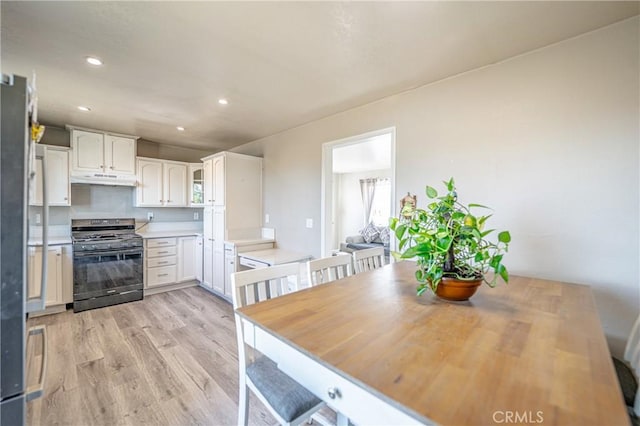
(450, 244)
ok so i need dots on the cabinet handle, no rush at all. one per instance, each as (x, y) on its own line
(58, 254)
(111, 167)
(168, 201)
(162, 242)
(162, 275)
(333, 393)
(163, 252)
(162, 263)
(65, 198)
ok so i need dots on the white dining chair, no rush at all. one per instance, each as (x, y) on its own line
(326, 269)
(368, 259)
(288, 401)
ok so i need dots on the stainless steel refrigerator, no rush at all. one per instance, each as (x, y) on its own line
(17, 154)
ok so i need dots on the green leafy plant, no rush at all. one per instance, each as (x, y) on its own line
(448, 240)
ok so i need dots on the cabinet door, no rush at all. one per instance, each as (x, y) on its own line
(54, 274)
(58, 177)
(186, 259)
(218, 181)
(88, 151)
(149, 189)
(196, 185)
(120, 155)
(58, 185)
(199, 249)
(229, 268)
(207, 264)
(207, 223)
(175, 185)
(207, 169)
(218, 268)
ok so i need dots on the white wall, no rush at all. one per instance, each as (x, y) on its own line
(549, 139)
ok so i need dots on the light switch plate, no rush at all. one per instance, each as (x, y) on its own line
(309, 223)
(266, 218)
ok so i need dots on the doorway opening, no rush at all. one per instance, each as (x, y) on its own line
(358, 188)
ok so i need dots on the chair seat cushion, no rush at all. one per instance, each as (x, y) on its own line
(628, 382)
(287, 397)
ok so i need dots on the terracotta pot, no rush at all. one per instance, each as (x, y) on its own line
(457, 290)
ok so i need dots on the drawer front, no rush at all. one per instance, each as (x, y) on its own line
(160, 242)
(253, 264)
(153, 262)
(341, 394)
(161, 251)
(161, 275)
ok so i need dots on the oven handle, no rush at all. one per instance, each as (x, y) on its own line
(107, 253)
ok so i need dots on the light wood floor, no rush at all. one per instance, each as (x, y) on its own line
(170, 359)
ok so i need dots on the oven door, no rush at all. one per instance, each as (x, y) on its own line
(97, 274)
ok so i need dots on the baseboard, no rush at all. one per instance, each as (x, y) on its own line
(49, 310)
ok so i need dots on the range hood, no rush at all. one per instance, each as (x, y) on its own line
(103, 179)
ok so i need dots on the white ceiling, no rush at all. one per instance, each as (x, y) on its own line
(368, 154)
(280, 64)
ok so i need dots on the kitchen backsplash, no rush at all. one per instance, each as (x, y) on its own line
(98, 201)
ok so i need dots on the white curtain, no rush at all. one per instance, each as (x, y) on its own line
(368, 190)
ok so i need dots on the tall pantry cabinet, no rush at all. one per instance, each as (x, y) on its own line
(232, 206)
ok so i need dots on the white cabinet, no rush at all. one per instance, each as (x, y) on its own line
(161, 183)
(99, 152)
(196, 185)
(207, 264)
(207, 174)
(187, 264)
(58, 185)
(160, 262)
(149, 188)
(229, 268)
(171, 260)
(54, 288)
(233, 202)
(199, 249)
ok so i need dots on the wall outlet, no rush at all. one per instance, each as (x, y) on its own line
(266, 218)
(149, 216)
(38, 220)
(196, 216)
(309, 223)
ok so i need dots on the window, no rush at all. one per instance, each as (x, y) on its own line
(381, 206)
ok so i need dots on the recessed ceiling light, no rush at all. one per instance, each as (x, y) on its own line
(223, 101)
(94, 61)
(84, 108)
(180, 128)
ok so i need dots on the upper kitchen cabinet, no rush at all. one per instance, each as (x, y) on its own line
(162, 183)
(196, 185)
(99, 152)
(214, 180)
(57, 178)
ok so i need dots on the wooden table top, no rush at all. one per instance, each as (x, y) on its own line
(531, 348)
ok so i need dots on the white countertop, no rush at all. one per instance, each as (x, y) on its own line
(249, 241)
(168, 234)
(275, 256)
(53, 241)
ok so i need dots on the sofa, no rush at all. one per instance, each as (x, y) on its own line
(359, 242)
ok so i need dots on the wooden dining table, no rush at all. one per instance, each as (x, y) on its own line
(530, 352)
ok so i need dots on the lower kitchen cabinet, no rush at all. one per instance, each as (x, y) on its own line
(59, 289)
(199, 249)
(186, 259)
(170, 261)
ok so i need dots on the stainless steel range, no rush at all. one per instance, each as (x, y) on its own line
(107, 263)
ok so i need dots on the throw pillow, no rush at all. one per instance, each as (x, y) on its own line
(385, 236)
(369, 233)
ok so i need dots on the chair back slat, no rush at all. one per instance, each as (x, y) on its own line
(368, 259)
(327, 269)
